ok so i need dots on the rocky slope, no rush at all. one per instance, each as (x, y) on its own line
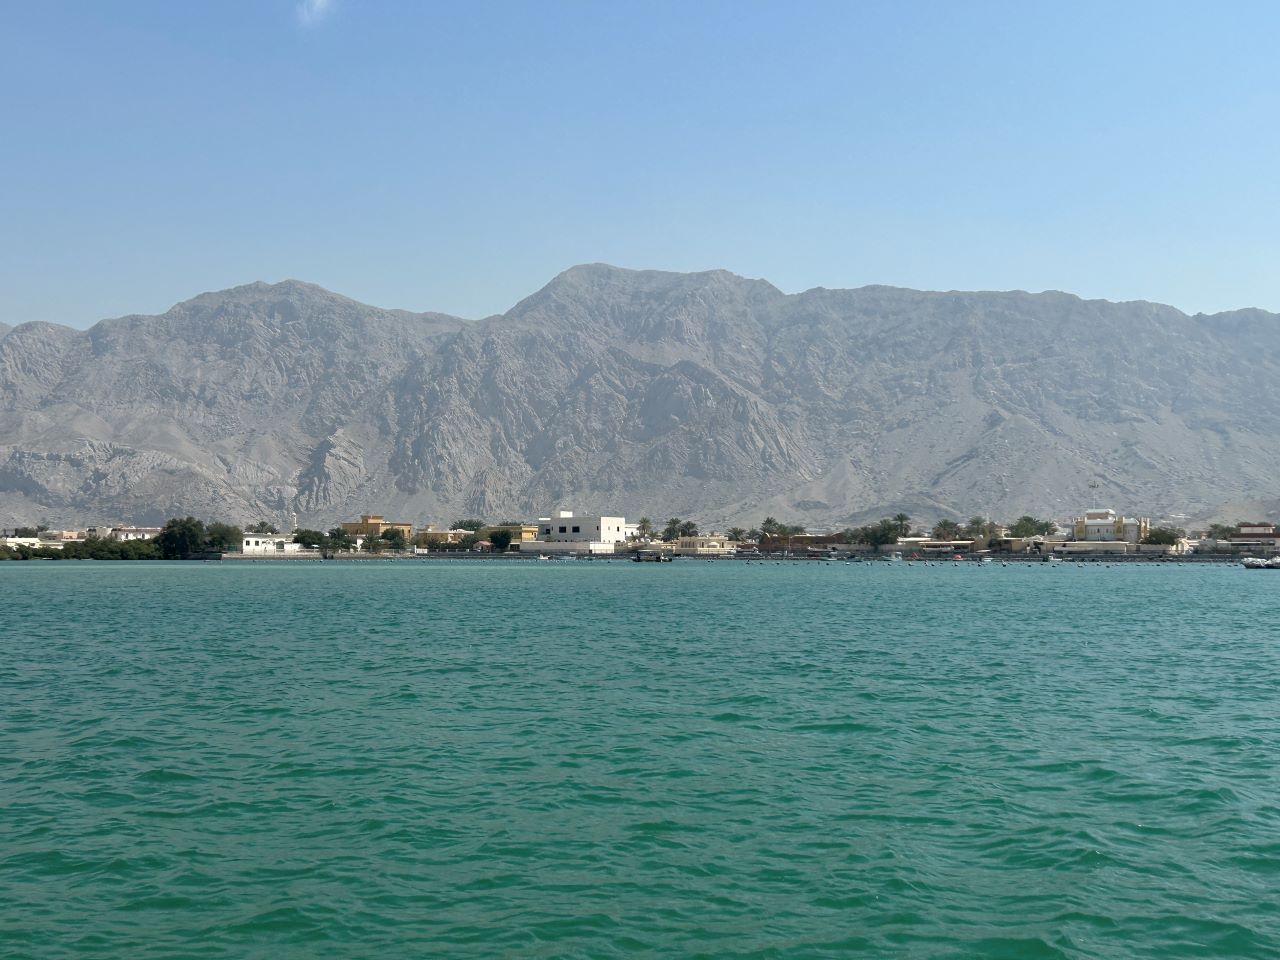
(704, 395)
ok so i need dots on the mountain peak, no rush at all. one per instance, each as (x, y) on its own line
(707, 395)
(260, 291)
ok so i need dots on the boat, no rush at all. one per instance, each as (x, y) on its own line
(651, 556)
(1257, 563)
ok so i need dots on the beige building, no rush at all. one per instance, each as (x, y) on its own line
(520, 532)
(710, 546)
(1101, 526)
(429, 535)
(375, 525)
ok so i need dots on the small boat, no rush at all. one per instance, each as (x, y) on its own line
(651, 556)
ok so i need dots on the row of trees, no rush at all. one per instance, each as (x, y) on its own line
(92, 549)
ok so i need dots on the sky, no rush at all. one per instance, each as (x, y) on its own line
(457, 156)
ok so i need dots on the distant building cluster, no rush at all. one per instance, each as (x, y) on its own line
(1094, 533)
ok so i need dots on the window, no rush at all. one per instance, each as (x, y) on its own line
(562, 530)
(546, 529)
(577, 530)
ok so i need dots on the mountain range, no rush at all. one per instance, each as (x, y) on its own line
(702, 395)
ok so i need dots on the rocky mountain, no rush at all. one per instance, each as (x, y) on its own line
(701, 395)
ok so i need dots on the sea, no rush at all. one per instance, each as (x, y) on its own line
(607, 759)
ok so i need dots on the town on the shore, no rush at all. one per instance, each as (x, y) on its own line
(1095, 534)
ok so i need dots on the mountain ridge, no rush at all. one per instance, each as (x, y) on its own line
(703, 394)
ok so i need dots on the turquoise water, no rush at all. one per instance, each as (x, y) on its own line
(638, 760)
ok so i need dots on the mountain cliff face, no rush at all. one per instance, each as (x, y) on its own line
(639, 392)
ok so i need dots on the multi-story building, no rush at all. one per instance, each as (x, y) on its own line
(1107, 526)
(562, 532)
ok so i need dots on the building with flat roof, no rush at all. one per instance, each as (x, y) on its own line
(375, 525)
(709, 546)
(520, 532)
(269, 544)
(562, 532)
(133, 533)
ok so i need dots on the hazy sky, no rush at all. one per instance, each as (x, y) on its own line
(457, 156)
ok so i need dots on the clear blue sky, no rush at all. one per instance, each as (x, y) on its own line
(457, 156)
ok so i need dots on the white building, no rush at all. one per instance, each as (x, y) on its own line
(35, 543)
(133, 533)
(272, 544)
(562, 532)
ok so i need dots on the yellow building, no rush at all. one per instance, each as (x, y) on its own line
(375, 525)
(520, 532)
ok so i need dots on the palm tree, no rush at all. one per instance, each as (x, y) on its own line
(945, 530)
(736, 533)
(688, 529)
(672, 530)
(903, 522)
(644, 529)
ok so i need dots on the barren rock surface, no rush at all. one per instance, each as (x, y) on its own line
(639, 392)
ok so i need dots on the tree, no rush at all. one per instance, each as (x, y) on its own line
(262, 526)
(770, 527)
(736, 533)
(310, 538)
(394, 539)
(754, 534)
(945, 530)
(688, 529)
(223, 537)
(1167, 536)
(500, 540)
(904, 524)
(672, 530)
(374, 544)
(340, 539)
(883, 533)
(644, 529)
(181, 539)
(471, 524)
(1221, 531)
(1028, 526)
